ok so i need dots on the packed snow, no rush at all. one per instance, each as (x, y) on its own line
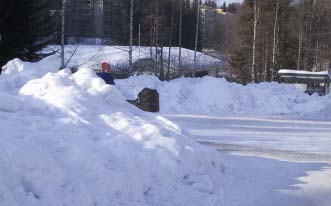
(215, 96)
(70, 139)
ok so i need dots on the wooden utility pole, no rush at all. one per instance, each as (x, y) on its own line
(131, 36)
(196, 37)
(63, 12)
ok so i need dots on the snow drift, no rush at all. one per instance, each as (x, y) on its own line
(73, 140)
(214, 96)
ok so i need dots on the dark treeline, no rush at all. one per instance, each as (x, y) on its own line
(22, 31)
(158, 21)
(257, 37)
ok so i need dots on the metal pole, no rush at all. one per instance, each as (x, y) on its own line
(196, 38)
(131, 35)
(62, 32)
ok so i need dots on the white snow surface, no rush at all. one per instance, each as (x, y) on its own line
(73, 140)
(215, 96)
(91, 56)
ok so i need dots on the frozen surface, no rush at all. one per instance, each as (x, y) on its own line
(275, 161)
(283, 134)
(73, 140)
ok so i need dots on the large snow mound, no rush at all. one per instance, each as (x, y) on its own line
(215, 96)
(73, 140)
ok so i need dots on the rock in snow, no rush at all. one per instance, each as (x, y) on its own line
(73, 140)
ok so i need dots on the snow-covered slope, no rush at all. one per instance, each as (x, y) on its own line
(215, 96)
(92, 56)
(72, 140)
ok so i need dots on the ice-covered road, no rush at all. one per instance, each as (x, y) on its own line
(274, 161)
(262, 134)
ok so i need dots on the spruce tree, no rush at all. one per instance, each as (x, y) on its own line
(224, 7)
(25, 27)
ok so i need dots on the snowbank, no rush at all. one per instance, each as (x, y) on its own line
(215, 96)
(73, 140)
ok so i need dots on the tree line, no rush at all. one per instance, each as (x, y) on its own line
(257, 37)
(22, 31)
(269, 35)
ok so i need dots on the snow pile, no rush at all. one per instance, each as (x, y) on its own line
(215, 96)
(92, 56)
(73, 140)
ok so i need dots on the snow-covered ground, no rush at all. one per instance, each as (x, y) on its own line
(92, 56)
(275, 161)
(69, 139)
(274, 139)
(310, 137)
(72, 140)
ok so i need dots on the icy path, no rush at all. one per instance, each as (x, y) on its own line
(302, 136)
(275, 162)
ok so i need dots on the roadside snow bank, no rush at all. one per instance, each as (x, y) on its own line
(215, 96)
(73, 140)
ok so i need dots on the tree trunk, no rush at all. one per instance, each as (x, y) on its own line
(131, 36)
(170, 38)
(180, 38)
(274, 40)
(256, 11)
(196, 38)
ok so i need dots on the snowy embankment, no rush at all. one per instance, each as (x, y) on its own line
(213, 96)
(72, 140)
(91, 56)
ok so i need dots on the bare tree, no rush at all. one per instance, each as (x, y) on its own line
(256, 16)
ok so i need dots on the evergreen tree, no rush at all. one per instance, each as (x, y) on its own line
(25, 26)
(224, 7)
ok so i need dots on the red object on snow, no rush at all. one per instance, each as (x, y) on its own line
(105, 67)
